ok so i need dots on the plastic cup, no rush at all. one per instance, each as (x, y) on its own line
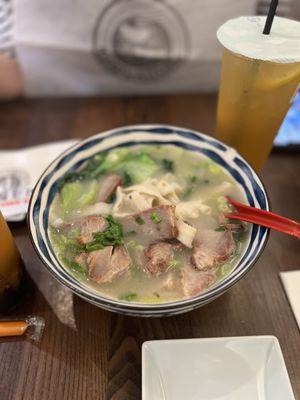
(259, 78)
(10, 269)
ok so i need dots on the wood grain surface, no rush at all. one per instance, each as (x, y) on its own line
(88, 353)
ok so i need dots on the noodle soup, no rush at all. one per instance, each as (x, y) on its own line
(146, 224)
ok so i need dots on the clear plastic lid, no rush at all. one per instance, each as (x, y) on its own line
(244, 36)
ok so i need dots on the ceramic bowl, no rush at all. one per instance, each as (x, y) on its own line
(47, 186)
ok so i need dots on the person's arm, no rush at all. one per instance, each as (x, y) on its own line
(10, 78)
(10, 74)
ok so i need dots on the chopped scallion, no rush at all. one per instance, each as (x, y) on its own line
(128, 297)
(155, 218)
(139, 220)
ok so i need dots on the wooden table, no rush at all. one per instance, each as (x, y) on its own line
(88, 353)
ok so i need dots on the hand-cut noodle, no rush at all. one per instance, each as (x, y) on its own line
(186, 233)
(140, 197)
(131, 202)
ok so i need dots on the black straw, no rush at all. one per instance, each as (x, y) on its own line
(270, 17)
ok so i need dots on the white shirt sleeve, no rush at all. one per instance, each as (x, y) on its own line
(6, 27)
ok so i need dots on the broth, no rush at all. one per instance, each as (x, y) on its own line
(145, 223)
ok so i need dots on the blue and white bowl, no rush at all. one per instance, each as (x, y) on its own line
(47, 186)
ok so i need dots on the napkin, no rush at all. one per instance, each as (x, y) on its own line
(291, 284)
(19, 171)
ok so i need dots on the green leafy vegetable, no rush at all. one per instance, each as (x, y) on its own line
(139, 220)
(88, 171)
(168, 165)
(69, 195)
(155, 217)
(111, 236)
(113, 161)
(74, 266)
(139, 166)
(135, 167)
(128, 297)
(75, 196)
(127, 180)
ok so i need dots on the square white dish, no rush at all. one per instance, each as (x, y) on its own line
(235, 368)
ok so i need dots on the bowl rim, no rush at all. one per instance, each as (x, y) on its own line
(144, 308)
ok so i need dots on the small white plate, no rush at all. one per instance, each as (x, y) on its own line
(235, 368)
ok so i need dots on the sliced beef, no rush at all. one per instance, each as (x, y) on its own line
(86, 226)
(157, 223)
(107, 264)
(108, 186)
(159, 256)
(99, 262)
(90, 225)
(195, 282)
(211, 248)
(121, 260)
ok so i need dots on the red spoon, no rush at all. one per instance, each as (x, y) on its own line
(264, 218)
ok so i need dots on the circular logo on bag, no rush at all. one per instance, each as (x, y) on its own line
(140, 40)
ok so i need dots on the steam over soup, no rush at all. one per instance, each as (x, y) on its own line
(146, 223)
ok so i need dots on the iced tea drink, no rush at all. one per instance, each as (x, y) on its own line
(258, 84)
(10, 268)
(254, 98)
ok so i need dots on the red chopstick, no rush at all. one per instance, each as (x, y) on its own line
(265, 218)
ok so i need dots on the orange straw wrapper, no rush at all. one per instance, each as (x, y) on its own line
(13, 328)
(31, 327)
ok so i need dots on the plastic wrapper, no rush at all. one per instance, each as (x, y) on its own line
(29, 327)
